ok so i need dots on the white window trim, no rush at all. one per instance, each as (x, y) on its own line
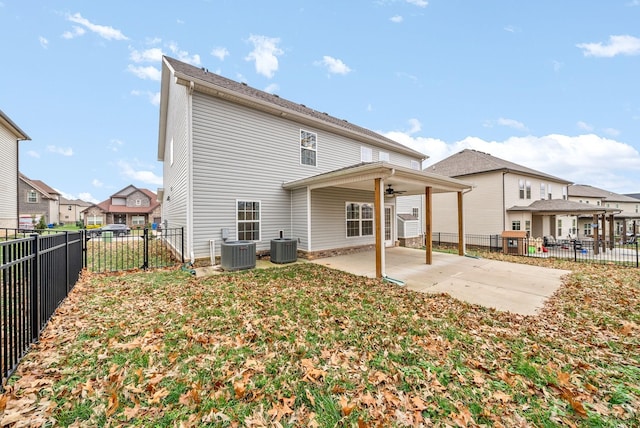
(29, 193)
(383, 156)
(415, 165)
(259, 221)
(301, 148)
(366, 154)
(134, 219)
(360, 220)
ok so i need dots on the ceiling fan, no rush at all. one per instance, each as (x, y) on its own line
(390, 191)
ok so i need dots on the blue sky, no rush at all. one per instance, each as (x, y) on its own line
(552, 85)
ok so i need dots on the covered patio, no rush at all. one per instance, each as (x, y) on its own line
(378, 178)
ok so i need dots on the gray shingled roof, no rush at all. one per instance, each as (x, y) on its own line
(562, 206)
(469, 162)
(587, 191)
(633, 195)
(204, 75)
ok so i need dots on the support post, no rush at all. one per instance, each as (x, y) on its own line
(461, 248)
(596, 234)
(611, 230)
(378, 226)
(428, 226)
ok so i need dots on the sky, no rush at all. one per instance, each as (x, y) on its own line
(551, 85)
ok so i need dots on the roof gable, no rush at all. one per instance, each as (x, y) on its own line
(242, 94)
(470, 162)
(11, 126)
(37, 185)
(587, 191)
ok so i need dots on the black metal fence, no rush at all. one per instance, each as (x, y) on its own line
(38, 271)
(140, 249)
(619, 252)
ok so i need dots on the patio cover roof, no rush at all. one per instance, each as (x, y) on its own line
(562, 207)
(360, 176)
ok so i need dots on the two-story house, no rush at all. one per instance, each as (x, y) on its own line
(10, 136)
(507, 197)
(71, 210)
(625, 218)
(243, 164)
(132, 206)
(37, 200)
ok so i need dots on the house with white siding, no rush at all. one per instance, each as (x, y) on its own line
(627, 210)
(243, 164)
(10, 136)
(507, 197)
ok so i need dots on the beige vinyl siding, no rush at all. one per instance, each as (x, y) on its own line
(299, 212)
(328, 218)
(8, 179)
(176, 176)
(243, 154)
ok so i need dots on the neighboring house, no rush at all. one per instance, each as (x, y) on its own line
(131, 206)
(243, 164)
(37, 199)
(507, 197)
(10, 136)
(627, 209)
(71, 210)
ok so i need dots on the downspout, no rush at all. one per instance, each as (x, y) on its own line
(504, 203)
(189, 148)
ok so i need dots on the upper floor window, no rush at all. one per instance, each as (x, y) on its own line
(415, 212)
(525, 189)
(383, 157)
(366, 154)
(138, 202)
(515, 225)
(308, 147)
(248, 220)
(32, 196)
(549, 192)
(415, 165)
(637, 208)
(564, 192)
(543, 191)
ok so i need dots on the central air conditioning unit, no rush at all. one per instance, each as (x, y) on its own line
(284, 250)
(238, 255)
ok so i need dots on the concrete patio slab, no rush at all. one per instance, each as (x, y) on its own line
(511, 287)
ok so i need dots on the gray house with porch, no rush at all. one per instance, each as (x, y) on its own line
(243, 164)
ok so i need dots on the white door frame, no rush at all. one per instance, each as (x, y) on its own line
(389, 226)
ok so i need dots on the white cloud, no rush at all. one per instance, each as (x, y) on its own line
(511, 29)
(634, 3)
(585, 126)
(416, 126)
(148, 72)
(115, 145)
(618, 45)
(147, 55)
(60, 150)
(77, 31)
(265, 54)
(335, 66)
(97, 183)
(179, 21)
(33, 154)
(419, 3)
(144, 176)
(510, 123)
(584, 159)
(220, 53)
(103, 31)
(396, 19)
(153, 97)
(611, 131)
(557, 65)
(183, 56)
(272, 88)
(85, 196)
(43, 42)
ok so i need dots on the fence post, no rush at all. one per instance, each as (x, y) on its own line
(182, 243)
(637, 264)
(66, 260)
(35, 288)
(145, 246)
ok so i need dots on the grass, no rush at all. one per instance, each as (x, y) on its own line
(304, 345)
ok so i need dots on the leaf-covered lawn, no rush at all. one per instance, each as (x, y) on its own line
(305, 345)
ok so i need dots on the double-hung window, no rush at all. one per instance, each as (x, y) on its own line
(366, 154)
(308, 147)
(359, 219)
(32, 196)
(248, 220)
(543, 191)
